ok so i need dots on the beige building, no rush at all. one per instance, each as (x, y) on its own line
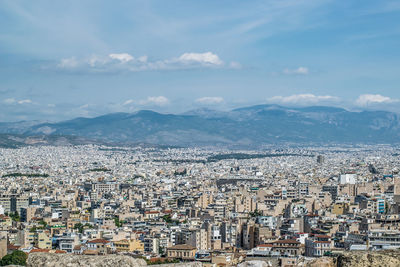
(129, 245)
(3, 247)
(204, 200)
(182, 252)
(200, 239)
(340, 208)
(101, 246)
(40, 239)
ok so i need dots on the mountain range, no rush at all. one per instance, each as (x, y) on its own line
(243, 127)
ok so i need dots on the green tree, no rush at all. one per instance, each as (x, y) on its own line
(256, 213)
(82, 227)
(15, 216)
(88, 225)
(167, 218)
(386, 207)
(79, 226)
(16, 258)
(43, 223)
(117, 222)
(160, 250)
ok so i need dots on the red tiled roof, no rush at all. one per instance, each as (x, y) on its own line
(322, 236)
(287, 241)
(12, 247)
(96, 241)
(157, 259)
(39, 250)
(183, 247)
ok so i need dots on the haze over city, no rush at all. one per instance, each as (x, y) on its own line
(172, 133)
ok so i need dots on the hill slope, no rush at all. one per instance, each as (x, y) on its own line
(250, 126)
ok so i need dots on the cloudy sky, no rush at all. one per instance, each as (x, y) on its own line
(63, 59)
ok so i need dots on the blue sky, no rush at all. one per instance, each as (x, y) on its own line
(63, 59)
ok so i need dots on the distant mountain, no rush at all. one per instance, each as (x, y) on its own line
(17, 127)
(249, 126)
(18, 140)
(206, 113)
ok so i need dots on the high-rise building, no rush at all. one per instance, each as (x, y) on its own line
(348, 178)
(14, 203)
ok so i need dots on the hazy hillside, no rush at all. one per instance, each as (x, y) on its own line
(249, 126)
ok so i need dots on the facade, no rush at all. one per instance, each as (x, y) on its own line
(287, 247)
(101, 246)
(40, 239)
(67, 242)
(380, 239)
(130, 245)
(102, 187)
(348, 178)
(14, 203)
(318, 245)
(181, 252)
(151, 245)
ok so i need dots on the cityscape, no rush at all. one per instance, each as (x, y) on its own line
(283, 206)
(181, 133)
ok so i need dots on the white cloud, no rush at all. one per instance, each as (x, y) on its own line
(84, 106)
(155, 100)
(143, 59)
(9, 101)
(298, 71)
(209, 100)
(235, 65)
(95, 61)
(25, 101)
(68, 63)
(303, 99)
(14, 101)
(128, 102)
(370, 99)
(202, 58)
(123, 57)
(125, 62)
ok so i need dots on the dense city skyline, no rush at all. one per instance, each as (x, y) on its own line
(280, 206)
(200, 133)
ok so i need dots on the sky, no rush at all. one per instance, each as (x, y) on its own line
(65, 59)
